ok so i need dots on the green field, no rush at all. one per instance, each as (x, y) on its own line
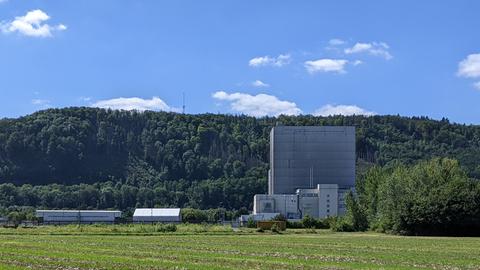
(206, 247)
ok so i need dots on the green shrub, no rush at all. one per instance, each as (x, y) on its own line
(308, 222)
(275, 229)
(251, 223)
(294, 225)
(166, 228)
(342, 224)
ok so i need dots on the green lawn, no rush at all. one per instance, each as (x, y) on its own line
(199, 247)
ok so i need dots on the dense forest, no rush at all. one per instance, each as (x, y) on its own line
(96, 158)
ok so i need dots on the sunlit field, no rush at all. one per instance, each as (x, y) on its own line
(219, 247)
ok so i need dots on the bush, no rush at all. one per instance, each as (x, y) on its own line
(190, 215)
(275, 229)
(251, 223)
(308, 222)
(166, 228)
(295, 225)
(342, 224)
(312, 223)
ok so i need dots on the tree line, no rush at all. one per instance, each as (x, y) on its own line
(96, 158)
(435, 197)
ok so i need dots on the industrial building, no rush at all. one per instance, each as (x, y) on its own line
(152, 215)
(311, 170)
(301, 157)
(77, 216)
(324, 201)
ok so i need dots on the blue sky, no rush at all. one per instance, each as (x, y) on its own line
(254, 57)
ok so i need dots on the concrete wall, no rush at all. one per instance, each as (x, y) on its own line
(304, 156)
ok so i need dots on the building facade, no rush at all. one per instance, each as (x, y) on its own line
(324, 201)
(77, 216)
(301, 157)
(311, 170)
(153, 215)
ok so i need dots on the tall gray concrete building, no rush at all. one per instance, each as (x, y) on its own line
(301, 157)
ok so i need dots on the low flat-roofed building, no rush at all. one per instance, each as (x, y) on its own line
(171, 215)
(243, 219)
(324, 201)
(77, 216)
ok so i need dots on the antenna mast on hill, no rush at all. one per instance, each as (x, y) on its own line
(183, 106)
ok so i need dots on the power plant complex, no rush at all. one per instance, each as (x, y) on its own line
(311, 170)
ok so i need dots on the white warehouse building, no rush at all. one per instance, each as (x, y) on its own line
(77, 216)
(151, 215)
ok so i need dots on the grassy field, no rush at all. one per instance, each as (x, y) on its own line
(217, 247)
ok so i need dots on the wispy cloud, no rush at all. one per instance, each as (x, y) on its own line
(32, 24)
(477, 85)
(326, 65)
(470, 66)
(279, 61)
(357, 62)
(85, 99)
(373, 48)
(258, 105)
(258, 83)
(134, 103)
(336, 42)
(330, 109)
(41, 103)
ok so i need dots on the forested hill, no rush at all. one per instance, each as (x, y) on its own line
(89, 145)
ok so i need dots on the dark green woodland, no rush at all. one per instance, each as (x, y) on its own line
(94, 158)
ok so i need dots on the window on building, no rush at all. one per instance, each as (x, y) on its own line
(328, 210)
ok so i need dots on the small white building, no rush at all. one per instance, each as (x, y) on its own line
(77, 216)
(324, 201)
(150, 215)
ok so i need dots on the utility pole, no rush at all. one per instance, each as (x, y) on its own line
(183, 106)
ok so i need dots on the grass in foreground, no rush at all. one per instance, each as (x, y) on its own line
(218, 247)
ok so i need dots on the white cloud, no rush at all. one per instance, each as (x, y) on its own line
(259, 83)
(357, 62)
(342, 110)
(258, 105)
(32, 24)
(85, 99)
(336, 42)
(279, 61)
(477, 85)
(374, 48)
(470, 66)
(326, 65)
(40, 101)
(134, 103)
